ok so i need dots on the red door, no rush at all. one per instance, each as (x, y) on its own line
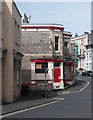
(56, 74)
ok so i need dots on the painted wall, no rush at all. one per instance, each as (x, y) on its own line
(10, 15)
(81, 41)
(41, 76)
(0, 58)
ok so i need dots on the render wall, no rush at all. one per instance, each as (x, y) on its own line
(81, 41)
(11, 61)
(0, 58)
(8, 74)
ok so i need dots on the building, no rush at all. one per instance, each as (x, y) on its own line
(0, 51)
(89, 53)
(12, 56)
(43, 47)
(80, 43)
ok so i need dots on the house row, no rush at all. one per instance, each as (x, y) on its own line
(48, 55)
(84, 51)
(10, 51)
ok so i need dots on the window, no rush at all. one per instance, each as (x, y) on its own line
(82, 42)
(18, 75)
(41, 67)
(65, 43)
(56, 42)
(56, 64)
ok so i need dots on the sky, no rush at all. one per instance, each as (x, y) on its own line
(74, 16)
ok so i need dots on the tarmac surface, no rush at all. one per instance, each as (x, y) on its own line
(28, 102)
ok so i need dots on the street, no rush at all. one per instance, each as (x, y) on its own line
(75, 104)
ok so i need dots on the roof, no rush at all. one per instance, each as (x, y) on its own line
(42, 26)
(79, 36)
(17, 8)
(67, 33)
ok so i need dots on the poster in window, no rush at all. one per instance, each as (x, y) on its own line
(38, 66)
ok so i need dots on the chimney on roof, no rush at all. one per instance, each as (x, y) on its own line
(85, 32)
(76, 35)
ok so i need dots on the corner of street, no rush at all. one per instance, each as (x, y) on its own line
(30, 102)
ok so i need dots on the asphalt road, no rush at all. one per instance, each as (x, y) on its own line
(76, 104)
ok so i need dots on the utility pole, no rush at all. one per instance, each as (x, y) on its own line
(75, 59)
(45, 83)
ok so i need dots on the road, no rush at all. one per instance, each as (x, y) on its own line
(75, 104)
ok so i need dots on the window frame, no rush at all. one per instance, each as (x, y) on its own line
(44, 66)
(56, 45)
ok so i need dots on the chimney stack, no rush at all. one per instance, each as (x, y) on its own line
(76, 35)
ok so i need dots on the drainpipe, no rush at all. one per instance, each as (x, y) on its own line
(75, 64)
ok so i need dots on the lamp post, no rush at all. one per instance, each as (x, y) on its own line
(45, 83)
(75, 59)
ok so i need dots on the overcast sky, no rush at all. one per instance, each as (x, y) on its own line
(75, 16)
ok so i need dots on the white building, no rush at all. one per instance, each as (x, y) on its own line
(46, 46)
(81, 42)
(89, 52)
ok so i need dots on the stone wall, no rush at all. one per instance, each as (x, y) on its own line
(35, 42)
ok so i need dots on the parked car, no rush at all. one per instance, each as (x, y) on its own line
(91, 74)
(85, 73)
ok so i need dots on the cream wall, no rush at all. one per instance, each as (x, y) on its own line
(0, 57)
(8, 60)
(17, 31)
(10, 65)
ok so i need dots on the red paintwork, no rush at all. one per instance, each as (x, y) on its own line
(48, 60)
(56, 74)
(42, 27)
(70, 35)
(69, 63)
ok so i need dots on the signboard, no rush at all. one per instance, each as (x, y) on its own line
(38, 66)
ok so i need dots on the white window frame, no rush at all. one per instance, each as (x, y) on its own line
(58, 43)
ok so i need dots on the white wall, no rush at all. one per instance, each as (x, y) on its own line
(89, 59)
(41, 76)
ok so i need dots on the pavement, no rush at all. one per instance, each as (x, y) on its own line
(27, 102)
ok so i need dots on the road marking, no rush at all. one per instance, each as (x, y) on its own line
(82, 88)
(27, 109)
(58, 98)
(66, 92)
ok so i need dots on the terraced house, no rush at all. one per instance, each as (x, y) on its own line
(84, 50)
(47, 54)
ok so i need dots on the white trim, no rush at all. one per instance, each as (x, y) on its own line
(42, 25)
(35, 29)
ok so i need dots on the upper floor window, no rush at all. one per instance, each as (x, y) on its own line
(82, 42)
(56, 43)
